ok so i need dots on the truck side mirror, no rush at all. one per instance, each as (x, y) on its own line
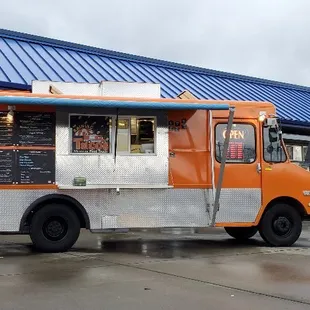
(273, 135)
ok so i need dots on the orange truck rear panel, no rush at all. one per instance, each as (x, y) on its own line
(190, 168)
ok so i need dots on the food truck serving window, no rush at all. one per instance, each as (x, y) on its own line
(136, 135)
(241, 147)
(96, 134)
(90, 133)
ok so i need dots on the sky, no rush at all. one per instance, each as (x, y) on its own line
(262, 38)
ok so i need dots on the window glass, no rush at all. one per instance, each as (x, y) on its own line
(94, 134)
(123, 135)
(142, 135)
(290, 151)
(241, 147)
(90, 133)
(305, 148)
(296, 153)
(273, 149)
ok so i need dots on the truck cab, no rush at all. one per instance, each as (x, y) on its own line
(281, 187)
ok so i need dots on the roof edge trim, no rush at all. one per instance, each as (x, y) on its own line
(15, 86)
(97, 103)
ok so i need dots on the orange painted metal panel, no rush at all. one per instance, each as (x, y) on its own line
(190, 169)
(247, 110)
(14, 91)
(194, 137)
(285, 180)
(235, 224)
(35, 148)
(29, 108)
(190, 164)
(30, 187)
(7, 147)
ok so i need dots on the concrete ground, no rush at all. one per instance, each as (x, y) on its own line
(147, 270)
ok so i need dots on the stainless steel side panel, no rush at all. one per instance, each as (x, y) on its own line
(139, 207)
(239, 205)
(101, 169)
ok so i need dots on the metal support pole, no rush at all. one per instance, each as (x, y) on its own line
(216, 205)
(115, 138)
(209, 206)
(212, 153)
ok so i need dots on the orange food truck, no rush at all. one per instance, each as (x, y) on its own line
(73, 161)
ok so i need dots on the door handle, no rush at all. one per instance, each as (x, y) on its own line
(258, 168)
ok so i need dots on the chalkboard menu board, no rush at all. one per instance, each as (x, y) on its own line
(26, 148)
(6, 166)
(35, 167)
(35, 129)
(6, 130)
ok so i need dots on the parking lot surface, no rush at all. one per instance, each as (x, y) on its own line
(150, 270)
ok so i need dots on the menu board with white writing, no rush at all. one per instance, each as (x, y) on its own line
(35, 129)
(27, 141)
(6, 129)
(35, 167)
(6, 166)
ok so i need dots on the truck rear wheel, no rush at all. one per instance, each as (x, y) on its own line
(241, 233)
(281, 225)
(54, 228)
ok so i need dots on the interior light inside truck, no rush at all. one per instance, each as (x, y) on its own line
(10, 116)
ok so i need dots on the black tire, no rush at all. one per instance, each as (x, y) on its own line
(54, 228)
(241, 233)
(281, 225)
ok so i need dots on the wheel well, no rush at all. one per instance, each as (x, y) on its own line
(70, 202)
(290, 201)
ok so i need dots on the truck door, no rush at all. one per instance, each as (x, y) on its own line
(274, 166)
(240, 198)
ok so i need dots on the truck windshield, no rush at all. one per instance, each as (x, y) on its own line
(273, 147)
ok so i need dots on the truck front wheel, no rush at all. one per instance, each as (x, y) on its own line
(281, 225)
(241, 233)
(54, 228)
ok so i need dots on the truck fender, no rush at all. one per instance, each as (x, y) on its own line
(293, 202)
(54, 198)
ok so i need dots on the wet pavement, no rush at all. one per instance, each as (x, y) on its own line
(147, 270)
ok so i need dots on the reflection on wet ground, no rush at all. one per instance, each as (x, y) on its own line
(174, 248)
(195, 268)
(153, 245)
(281, 272)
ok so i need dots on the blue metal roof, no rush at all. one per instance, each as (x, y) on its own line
(25, 57)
